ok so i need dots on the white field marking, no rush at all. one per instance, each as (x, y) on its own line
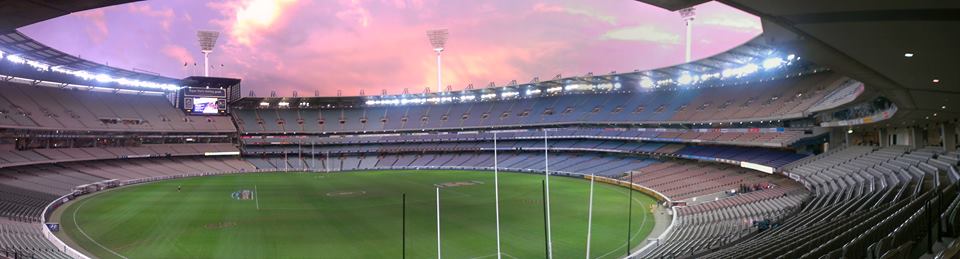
(493, 255)
(88, 236)
(633, 237)
(256, 196)
(485, 256)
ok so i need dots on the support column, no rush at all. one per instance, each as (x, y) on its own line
(838, 137)
(916, 137)
(883, 137)
(948, 135)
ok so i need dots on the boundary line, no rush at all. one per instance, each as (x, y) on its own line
(88, 236)
(642, 223)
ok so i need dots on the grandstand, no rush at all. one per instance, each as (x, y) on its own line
(827, 153)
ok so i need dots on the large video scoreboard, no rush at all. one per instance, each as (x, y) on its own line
(208, 95)
(205, 101)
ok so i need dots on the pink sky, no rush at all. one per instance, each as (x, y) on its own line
(353, 45)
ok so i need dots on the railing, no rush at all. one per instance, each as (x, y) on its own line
(59, 244)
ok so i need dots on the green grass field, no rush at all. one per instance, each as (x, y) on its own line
(351, 215)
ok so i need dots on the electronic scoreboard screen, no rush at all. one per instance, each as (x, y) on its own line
(204, 101)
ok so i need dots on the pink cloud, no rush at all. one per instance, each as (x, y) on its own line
(97, 17)
(246, 20)
(165, 16)
(178, 53)
(354, 12)
(550, 8)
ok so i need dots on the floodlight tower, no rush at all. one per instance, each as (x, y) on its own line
(207, 39)
(688, 14)
(437, 39)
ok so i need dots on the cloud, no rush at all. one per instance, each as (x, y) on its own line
(100, 31)
(731, 20)
(645, 33)
(178, 53)
(548, 8)
(354, 12)
(402, 4)
(246, 19)
(165, 16)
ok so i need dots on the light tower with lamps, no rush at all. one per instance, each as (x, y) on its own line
(688, 15)
(437, 39)
(207, 39)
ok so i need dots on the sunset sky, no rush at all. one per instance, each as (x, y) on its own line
(349, 45)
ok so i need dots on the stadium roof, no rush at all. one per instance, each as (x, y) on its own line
(18, 13)
(752, 53)
(16, 43)
(904, 50)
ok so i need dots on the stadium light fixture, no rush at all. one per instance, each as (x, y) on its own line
(207, 39)
(16, 59)
(936, 81)
(646, 82)
(771, 63)
(908, 55)
(685, 79)
(572, 87)
(438, 38)
(102, 78)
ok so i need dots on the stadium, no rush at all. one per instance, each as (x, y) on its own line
(830, 133)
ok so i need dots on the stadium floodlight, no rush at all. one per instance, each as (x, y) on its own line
(771, 63)
(685, 79)
(103, 78)
(438, 38)
(688, 14)
(207, 39)
(646, 82)
(16, 59)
